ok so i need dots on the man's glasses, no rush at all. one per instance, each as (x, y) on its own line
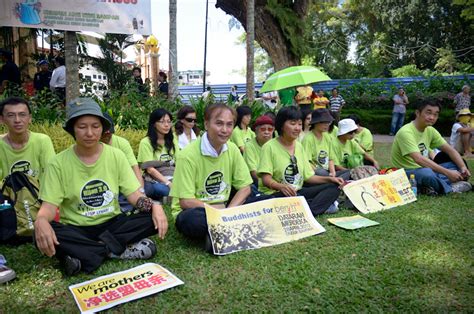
(190, 120)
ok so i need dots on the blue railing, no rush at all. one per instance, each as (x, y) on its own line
(221, 91)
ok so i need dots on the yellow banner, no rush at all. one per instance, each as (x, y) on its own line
(110, 290)
(380, 192)
(260, 224)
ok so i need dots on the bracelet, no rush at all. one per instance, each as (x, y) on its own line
(144, 204)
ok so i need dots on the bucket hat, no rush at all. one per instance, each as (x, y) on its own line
(82, 106)
(464, 112)
(345, 126)
(321, 115)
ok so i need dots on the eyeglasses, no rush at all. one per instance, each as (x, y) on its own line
(268, 129)
(190, 120)
(294, 163)
(164, 121)
(21, 115)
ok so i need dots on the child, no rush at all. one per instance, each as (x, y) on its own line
(461, 133)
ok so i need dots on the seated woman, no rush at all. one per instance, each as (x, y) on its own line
(318, 146)
(84, 181)
(284, 167)
(363, 136)
(242, 132)
(157, 151)
(264, 128)
(206, 170)
(186, 128)
(306, 114)
(346, 151)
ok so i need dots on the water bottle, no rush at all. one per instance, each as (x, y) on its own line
(413, 184)
(28, 214)
(5, 205)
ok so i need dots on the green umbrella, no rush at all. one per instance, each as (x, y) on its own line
(293, 76)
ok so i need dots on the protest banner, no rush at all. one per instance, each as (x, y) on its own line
(117, 288)
(353, 222)
(118, 16)
(380, 192)
(260, 224)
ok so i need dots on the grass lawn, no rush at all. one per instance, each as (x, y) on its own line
(420, 259)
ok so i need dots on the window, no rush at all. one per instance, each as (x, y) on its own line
(88, 77)
(94, 76)
(104, 77)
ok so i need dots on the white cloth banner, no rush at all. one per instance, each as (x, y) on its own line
(103, 16)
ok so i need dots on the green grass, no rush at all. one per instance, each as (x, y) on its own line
(420, 259)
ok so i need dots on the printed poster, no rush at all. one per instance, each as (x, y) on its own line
(121, 287)
(380, 192)
(111, 16)
(353, 222)
(260, 224)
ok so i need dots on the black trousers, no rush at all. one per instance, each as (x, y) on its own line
(92, 244)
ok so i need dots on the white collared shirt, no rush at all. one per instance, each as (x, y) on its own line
(183, 139)
(58, 78)
(208, 150)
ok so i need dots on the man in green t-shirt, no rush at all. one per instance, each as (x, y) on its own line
(410, 150)
(21, 149)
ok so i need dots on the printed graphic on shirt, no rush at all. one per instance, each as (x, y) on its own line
(214, 187)
(291, 175)
(96, 194)
(423, 150)
(345, 159)
(23, 166)
(166, 157)
(323, 158)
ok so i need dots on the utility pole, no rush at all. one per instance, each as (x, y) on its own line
(205, 50)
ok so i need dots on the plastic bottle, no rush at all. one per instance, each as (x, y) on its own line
(5, 205)
(28, 214)
(413, 184)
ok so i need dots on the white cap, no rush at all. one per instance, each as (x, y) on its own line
(345, 126)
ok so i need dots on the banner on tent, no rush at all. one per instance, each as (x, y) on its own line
(111, 16)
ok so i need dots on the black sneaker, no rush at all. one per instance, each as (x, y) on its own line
(428, 190)
(72, 266)
(208, 245)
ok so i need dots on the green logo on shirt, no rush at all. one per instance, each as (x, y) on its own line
(23, 166)
(291, 172)
(423, 150)
(323, 157)
(96, 193)
(214, 183)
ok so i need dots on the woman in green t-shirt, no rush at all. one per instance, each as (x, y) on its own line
(284, 167)
(306, 114)
(84, 182)
(242, 133)
(157, 151)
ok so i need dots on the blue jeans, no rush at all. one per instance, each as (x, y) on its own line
(427, 177)
(397, 122)
(156, 190)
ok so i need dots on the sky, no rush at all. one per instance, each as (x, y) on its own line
(223, 55)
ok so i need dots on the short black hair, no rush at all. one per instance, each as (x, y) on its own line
(60, 60)
(137, 68)
(355, 118)
(433, 102)
(241, 112)
(14, 101)
(163, 75)
(285, 114)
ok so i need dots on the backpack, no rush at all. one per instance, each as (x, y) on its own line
(21, 191)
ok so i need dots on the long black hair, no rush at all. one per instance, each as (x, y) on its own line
(182, 113)
(241, 112)
(156, 115)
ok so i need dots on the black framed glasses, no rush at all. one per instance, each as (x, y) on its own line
(190, 120)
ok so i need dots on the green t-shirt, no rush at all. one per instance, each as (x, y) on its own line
(334, 132)
(87, 195)
(409, 140)
(287, 96)
(32, 159)
(366, 141)
(146, 153)
(240, 137)
(276, 161)
(123, 145)
(343, 151)
(252, 154)
(208, 179)
(319, 151)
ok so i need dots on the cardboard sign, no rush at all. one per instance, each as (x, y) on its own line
(260, 224)
(353, 222)
(117, 288)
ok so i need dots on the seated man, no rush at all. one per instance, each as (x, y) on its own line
(206, 170)
(84, 181)
(461, 133)
(410, 150)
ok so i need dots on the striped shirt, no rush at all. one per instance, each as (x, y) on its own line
(336, 102)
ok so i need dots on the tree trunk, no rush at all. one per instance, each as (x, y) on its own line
(173, 57)
(250, 49)
(268, 32)
(72, 65)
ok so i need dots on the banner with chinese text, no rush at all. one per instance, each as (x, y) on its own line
(260, 224)
(117, 288)
(118, 16)
(380, 192)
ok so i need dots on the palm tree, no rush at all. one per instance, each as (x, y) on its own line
(250, 48)
(173, 53)
(72, 65)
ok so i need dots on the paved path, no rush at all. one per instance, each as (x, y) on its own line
(380, 138)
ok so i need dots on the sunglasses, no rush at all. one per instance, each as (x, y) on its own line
(190, 120)
(294, 163)
(269, 129)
